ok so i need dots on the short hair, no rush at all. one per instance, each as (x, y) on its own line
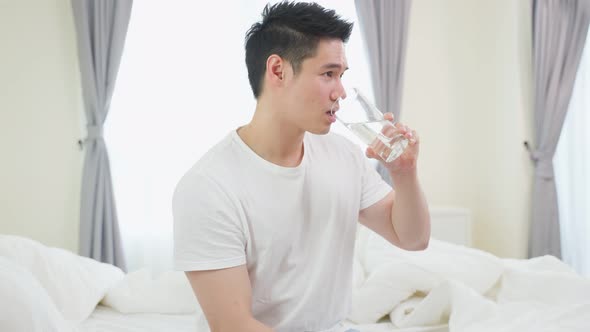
(291, 30)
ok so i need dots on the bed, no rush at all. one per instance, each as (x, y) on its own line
(448, 287)
(107, 319)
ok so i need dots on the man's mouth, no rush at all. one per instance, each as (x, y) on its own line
(331, 115)
(335, 107)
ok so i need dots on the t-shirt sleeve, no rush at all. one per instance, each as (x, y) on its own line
(373, 187)
(208, 233)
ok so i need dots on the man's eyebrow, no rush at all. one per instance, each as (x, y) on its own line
(333, 66)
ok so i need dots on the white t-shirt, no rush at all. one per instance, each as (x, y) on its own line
(293, 227)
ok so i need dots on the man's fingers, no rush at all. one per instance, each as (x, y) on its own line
(388, 116)
(370, 153)
(414, 138)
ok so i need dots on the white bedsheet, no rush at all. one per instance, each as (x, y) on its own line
(105, 319)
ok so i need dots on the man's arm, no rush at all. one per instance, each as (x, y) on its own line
(225, 296)
(402, 217)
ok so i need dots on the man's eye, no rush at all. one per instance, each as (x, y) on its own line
(329, 74)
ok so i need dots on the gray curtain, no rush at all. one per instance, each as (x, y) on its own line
(101, 26)
(384, 26)
(559, 34)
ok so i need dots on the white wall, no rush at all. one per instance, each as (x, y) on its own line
(468, 93)
(40, 163)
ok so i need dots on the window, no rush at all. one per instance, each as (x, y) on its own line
(572, 173)
(182, 86)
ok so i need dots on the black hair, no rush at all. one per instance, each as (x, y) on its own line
(291, 30)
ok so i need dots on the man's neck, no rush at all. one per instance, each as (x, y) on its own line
(273, 139)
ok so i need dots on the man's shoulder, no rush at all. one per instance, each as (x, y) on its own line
(211, 167)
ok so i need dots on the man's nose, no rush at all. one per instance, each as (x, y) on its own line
(340, 93)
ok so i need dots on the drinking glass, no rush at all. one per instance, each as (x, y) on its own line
(359, 115)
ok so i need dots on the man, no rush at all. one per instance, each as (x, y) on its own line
(265, 222)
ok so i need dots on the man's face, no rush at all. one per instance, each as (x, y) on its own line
(310, 94)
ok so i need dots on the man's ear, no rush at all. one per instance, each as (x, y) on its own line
(275, 69)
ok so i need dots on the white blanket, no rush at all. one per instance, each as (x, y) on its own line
(464, 288)
(470, 290)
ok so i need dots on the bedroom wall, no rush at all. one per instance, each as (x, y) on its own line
(468, 93)
(40, 163)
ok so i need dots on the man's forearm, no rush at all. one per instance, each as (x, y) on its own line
(410, 215)
(248, 325)
(257, 326)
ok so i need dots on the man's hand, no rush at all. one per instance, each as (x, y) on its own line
(406, 163)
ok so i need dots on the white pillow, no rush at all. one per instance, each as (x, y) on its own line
(25, 304)
(74, 283)
(140, 292)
